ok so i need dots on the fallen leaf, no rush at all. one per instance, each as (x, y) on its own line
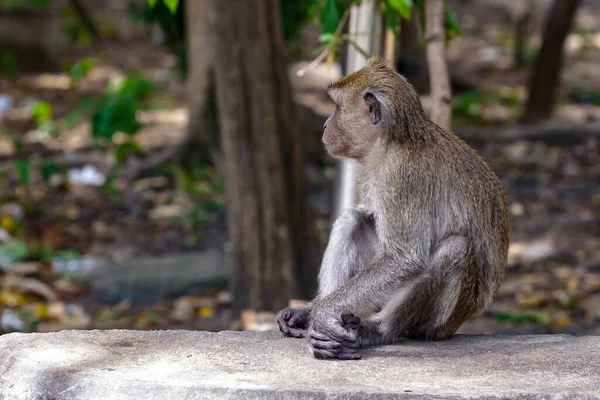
(29, 285)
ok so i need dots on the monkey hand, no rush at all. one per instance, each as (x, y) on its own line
(333, 336)
(293, 322)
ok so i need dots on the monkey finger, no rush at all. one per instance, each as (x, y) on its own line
(297, 333)
(323, 354)
(283, 327)
(349, 355)
(297, 321)
(351, 345)
(330, 345)
(319, 336)
(343, 334)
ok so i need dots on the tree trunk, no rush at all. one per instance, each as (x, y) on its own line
(522, 28)
(546, 71)
(441, 95)
(412, 62)
(274, 247)
(202, 136)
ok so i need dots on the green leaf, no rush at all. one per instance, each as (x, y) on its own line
(327, 38)
(49, 169)
(117, 114)
(331, 14)
(138, 86)
(9, 64)
(47, 129)
(359, 49)
(79, 111)
(519, 318)
(422, 16)
(152, 3)
(126, 149)
(12, 251)
(41, 111)
(391, 18)
(172, 5)
(110, 187)
(80, 69)
(452, 25)
(23, 168)
(404, 7)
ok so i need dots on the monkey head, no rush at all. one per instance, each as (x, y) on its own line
(372, 106)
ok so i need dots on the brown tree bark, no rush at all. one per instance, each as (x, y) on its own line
(412, 52)
(203, 130)
(546, 71)
(435, 39)
(274, 247)
(522, 28)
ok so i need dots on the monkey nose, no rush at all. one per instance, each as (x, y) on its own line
(324, 127)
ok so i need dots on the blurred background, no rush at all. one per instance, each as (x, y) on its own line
(161, 164)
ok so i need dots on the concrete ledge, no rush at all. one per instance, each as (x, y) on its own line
(200, 365)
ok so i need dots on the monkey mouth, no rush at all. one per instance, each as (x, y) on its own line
(334, 149)
(329, 143)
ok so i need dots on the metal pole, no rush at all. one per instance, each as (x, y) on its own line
(363, 20)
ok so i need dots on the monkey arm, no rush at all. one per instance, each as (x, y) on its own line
(372, 286)
(352, 245)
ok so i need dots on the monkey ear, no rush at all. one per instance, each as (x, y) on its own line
(374, 107)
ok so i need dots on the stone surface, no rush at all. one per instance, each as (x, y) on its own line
(248, 365)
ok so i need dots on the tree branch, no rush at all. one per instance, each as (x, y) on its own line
(545, 76)
(86, 17)
(436, 59)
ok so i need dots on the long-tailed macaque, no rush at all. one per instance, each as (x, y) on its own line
(426, 247)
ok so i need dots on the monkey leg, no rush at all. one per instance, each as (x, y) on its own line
(433, 306)
(352, 245)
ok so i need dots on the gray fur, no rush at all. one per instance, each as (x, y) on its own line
(426, 249)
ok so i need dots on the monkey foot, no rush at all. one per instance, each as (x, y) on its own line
(324, 346)
(293, 322)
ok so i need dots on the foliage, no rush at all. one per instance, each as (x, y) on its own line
(294, 13)
(520, 318)
(585, 96)
(116, 110)
(73, 27)
(205, 185)
(468, 107)
(333, 15)
(16, 4)
(12, 251)
(170, 4)
(332, 11)
(42, 115)
(80, 70)
(9, 64)
(170, 17)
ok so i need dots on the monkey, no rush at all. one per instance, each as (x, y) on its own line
(426, 247)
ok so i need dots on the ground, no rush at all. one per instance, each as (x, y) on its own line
(552, 282)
